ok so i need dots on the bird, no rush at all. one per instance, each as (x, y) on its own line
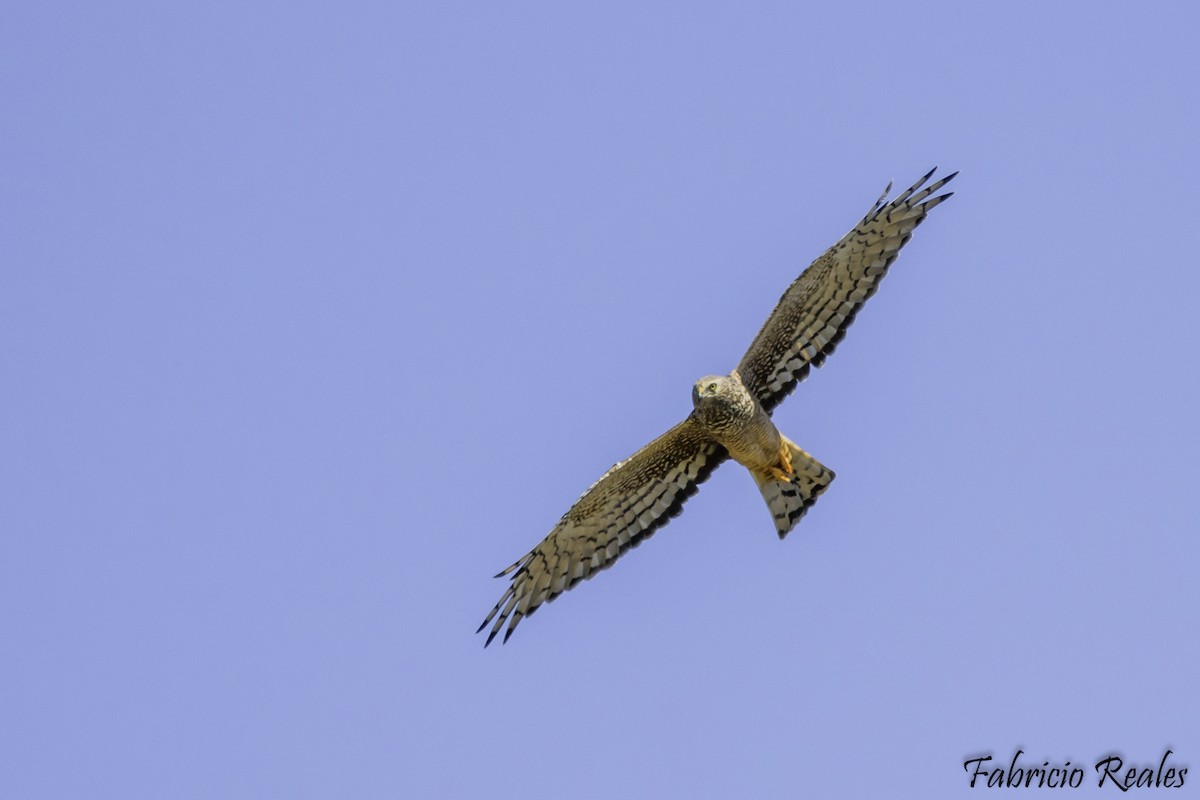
(730, 419)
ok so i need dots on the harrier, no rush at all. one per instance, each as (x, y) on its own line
(731, 418)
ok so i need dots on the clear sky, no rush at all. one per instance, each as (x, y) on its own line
(314, 317)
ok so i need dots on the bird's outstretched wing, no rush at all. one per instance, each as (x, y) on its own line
(629, 502)
(815, 311)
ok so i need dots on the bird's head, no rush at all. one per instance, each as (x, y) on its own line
(709, 387)
(721, 400)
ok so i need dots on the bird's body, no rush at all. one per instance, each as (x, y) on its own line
(789, 478)
(730, 415)
(731, 418)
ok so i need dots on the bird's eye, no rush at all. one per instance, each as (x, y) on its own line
(712, 387)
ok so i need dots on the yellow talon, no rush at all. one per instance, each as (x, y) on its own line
(785, 463)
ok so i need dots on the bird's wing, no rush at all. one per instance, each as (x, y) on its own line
(815, 311)
(629, 502)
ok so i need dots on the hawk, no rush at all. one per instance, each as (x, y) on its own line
(731, 418)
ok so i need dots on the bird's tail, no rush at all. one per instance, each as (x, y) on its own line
(788, 500)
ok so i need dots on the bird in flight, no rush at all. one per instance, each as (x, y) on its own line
(731, 418)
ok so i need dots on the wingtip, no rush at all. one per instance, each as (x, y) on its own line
(934, 202)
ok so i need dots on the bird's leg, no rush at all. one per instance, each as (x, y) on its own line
(783, 470)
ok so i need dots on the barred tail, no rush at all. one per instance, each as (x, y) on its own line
(788, 500)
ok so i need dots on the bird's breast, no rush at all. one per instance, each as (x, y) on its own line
(754, 444)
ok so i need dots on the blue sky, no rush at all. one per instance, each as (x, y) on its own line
(315, 317)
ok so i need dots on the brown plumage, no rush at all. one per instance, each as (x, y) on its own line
(731, 418)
